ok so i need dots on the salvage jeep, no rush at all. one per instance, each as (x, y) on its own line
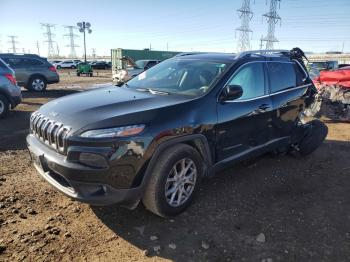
(155, 137)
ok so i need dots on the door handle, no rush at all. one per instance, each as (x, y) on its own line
(264, 107)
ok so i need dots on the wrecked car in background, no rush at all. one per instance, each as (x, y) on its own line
(334, 87)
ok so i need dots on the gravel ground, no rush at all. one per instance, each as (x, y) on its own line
(270, 209)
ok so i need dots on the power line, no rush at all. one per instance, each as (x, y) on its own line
(49, 39)
(13, 43)
(272, 18)
(72, 44)
(245, 14)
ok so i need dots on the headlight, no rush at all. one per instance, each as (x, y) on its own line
(114, 132)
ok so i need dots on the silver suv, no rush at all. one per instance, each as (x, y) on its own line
(32, 71)
(10, 93)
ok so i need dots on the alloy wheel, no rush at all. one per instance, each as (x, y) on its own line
(180, 182)
(38, 84)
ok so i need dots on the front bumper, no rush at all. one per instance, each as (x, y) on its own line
(16, 100)
(53, 79)
(56, 170)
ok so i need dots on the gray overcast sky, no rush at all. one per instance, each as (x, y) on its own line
(198, 25)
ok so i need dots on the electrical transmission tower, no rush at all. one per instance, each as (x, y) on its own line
(272, 19)
(71, 36)
(13, 43)
(245, 14)
(49, 39)
(38, 47)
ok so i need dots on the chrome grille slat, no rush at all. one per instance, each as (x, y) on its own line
(50, 132)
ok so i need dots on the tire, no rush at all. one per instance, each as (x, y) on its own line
(78, 74)
(90, 74)
(72, 67)
(314, 137)
(4, 106)
(163, 179)
(58, 67)
(37, 84)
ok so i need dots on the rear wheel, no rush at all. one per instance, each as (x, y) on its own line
(315, 135)
(37, 84)
(4, 106)
(174, 181)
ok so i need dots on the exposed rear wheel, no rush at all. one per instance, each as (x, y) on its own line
(4, 106)
(174, 181)
(315, 135)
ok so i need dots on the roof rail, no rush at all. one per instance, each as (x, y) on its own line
(189, 53)
(4, 54)
(271, 51)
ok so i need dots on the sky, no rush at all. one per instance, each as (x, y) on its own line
(181, 25)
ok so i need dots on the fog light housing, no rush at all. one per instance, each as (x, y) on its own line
(93, 160)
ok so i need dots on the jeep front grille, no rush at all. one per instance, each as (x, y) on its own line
(50, 132)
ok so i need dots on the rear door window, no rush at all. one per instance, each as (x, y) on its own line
(282, 76)
(34, 62)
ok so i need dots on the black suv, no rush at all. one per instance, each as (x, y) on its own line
(32, 71)
(155, 137)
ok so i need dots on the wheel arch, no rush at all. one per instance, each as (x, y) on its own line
(7, 96)
(36, 75)
(197, 141)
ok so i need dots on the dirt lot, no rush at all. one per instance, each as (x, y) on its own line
(271, 209)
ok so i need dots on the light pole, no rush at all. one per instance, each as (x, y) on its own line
(84, 26)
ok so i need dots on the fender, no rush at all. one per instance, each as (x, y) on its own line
(6, 93)
(198, 141)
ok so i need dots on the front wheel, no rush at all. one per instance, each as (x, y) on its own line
(174, 181)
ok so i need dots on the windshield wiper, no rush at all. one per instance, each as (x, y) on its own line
(152, 91)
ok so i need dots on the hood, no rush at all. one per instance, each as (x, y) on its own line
(107, 107)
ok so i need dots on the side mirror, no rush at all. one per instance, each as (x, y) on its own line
(231, 92)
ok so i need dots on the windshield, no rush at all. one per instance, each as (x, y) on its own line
(186, 77)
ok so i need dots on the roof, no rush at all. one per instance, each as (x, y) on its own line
(229, 58)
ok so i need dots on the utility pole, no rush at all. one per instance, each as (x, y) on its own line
(13, 43)
(272, 19)
(49, 39)
(84, 26)
(245, 14)
(38, 47)
(71, 36)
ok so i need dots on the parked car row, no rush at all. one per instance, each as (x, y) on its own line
(32, 71)
(73, 64)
